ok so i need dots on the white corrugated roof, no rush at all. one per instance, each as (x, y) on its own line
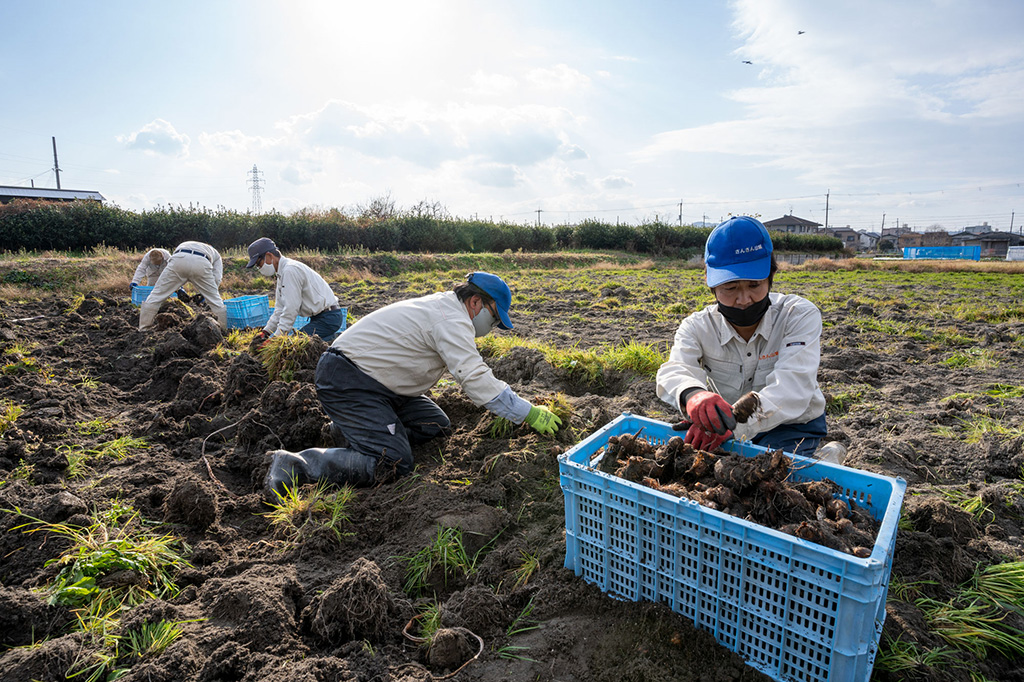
(48, 193)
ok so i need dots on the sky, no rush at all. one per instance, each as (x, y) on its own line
(852, 112)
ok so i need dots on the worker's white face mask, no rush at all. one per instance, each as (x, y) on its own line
(268, 270)
(484, 322)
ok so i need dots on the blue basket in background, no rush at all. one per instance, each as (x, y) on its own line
(141, 292)
(795, 610)
(248, 311)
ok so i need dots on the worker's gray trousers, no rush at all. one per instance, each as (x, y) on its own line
(181, 268)
(377, 422)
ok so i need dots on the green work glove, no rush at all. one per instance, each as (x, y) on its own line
(543, 420)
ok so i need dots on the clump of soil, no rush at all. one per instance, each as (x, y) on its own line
(451, 647)
(355, 606)
(756, 489)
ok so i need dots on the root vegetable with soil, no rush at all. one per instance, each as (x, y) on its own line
(756, 489)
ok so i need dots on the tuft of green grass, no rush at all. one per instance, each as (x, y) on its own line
(501, 428)
(641, 358)
(119, 448)
(1005, 391)
(9, 413)
(973, 358)
(283, 355)
(24, 471)
(522, 623)
(109, 566)
(306, 512)
(1001, 584)
(897, 656)
(972, 504)
(430, 623)
(980, 427)
(446, 553)
(76, 302)
(976, 627)
(152, 639)
(528, 566)
(93, 427)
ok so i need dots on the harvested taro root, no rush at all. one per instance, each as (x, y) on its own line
(756, 489)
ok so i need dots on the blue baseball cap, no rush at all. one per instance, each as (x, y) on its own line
(739, 248)
(495, 287)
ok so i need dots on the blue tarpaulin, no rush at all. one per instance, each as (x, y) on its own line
(956, 252)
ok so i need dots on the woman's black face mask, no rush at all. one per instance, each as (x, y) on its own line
(746, 317)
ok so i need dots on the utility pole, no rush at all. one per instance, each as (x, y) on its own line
(538, 216)
(1011, 222)
(680, 213)
(883, 222)
(56, 167)
(256, 184)
(827, 193)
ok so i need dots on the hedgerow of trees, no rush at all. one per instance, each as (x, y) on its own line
(78, 226)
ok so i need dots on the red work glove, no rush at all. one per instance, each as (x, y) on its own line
(710, 412)
(705, 440)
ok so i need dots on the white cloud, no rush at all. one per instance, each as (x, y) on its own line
(428, 136)
(234, 142)
(573, 152)
(295, 175)
(615, 182)
(491, 84)
(560, 77)
(491, 174)
(158, 137)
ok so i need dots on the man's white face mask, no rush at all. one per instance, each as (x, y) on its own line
(484, 322)
(267, 270)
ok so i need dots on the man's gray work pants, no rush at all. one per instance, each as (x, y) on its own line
(375, 420)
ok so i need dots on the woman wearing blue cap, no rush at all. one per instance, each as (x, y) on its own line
(750, 340)
(372, 380)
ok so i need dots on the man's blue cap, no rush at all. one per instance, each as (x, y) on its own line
(739, 248)
(495, 287)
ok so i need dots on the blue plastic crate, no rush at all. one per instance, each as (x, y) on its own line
(795, 610)
(301, 321)
(248, 311)
(141, 292)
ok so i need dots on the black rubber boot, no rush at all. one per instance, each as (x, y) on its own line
(339, 466)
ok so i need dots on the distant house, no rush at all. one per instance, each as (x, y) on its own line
(937, 238)
(792, 224)
(9, 193)
(978, 229)
(909, 240)
(849, 237)
(868, 240)
(894, 232)
(993, 244)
